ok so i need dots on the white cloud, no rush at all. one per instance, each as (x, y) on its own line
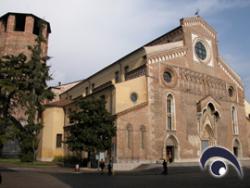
(88, 35)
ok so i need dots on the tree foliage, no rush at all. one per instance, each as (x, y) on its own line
(23, 86)
(93, 127)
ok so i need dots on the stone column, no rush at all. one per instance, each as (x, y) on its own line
(29, 24)
(11, 23)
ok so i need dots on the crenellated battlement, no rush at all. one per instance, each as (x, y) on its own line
(19, 30)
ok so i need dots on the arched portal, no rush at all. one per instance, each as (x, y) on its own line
(236, 147)
(171, 148)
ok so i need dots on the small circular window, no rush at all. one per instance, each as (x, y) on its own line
(200, 50)
(231, 91)
(133, 97)
(167, 76)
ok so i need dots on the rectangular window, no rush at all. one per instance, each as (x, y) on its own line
(204, 144)
(5, 21)
(169, 122)
(126, 69)
(102, 97)
(20, 23)
(71, 120)
(235, 121)
(36, 28)
(169, 106)
(236, 131)
(93, 86)
(58, 140)
(69, 116)
(125, 72)
(117, 76)
(86, 91)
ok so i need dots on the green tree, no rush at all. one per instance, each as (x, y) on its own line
(93, 128)
(23, 86)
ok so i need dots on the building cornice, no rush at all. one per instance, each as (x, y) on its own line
(169, 55)
(132, 108)
(230, 73)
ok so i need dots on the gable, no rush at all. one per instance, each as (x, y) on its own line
(198, 22)
(230, 74)
(204, 103)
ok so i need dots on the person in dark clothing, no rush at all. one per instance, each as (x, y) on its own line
(110, 167)
(165, 167)
(0, 178)
(102, 165)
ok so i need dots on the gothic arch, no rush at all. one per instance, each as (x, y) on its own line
(234, 116)
(207, 125)
(171, 149)
(129, 136)
(170, 112)
(142, 136)
(236, 147)
(207, 132)
(208, 104)
(211, 106)
(207, 137)
(214, 111)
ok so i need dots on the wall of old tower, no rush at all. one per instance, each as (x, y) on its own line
(13, 41)
(17, 32)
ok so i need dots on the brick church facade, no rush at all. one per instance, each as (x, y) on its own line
(194, 100)
(173, 97)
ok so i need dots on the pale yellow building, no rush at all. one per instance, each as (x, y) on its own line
(51, 136)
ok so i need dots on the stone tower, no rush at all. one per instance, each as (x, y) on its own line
(19, 30)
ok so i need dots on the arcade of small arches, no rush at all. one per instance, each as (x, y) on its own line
(129, 136)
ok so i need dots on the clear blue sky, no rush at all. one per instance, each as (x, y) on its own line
(88, 35)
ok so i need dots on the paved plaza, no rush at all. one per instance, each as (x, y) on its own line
(65, 178)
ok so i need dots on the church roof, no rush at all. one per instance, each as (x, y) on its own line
(59, 103)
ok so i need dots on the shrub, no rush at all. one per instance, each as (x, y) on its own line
(70, 160)
(27, 157)
(58, 159)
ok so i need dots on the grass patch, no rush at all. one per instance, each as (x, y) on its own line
(17, 162)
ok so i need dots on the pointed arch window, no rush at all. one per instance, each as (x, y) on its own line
(170, 112)
(235, 121)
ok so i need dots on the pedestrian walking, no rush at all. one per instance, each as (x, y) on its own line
(110, 167)
(165, 167)
(102, 166)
